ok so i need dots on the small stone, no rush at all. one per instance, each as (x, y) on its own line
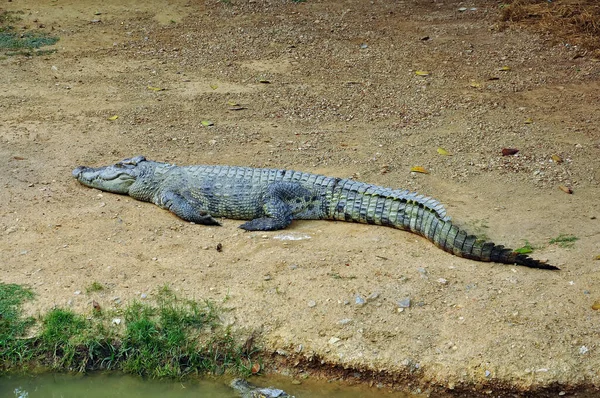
(404, 303)
(373, 296)
(267, 277)
(334, 340)
(77, 292)
(583, 350)
(116, 321)
(143, 295)
(488, 373)
(443, 281)
(344, 321)
(359, 300)
(462, 9)
(312, 303)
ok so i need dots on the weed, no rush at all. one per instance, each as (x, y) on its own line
(13, 349)
(94, 287)
(169, 338)
(564, 240)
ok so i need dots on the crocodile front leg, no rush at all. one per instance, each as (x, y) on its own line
(185, 208)
(281, 201)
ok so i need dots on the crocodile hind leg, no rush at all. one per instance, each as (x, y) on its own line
(186, 208)
(281, 201)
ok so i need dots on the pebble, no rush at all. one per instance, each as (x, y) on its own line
(583, 350)
(77, 292)
(488, 373)
(116, 321)
(443, 281)
(334, 340)
(404, 303)
(373, 296)
(344, 321)
(312, 303)
(143, 295)
(359, 300)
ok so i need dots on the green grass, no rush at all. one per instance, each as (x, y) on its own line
(564, 240)
(94, 287)
(17, 42)
(168, 337)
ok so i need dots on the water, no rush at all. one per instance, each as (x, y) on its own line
(124, 386)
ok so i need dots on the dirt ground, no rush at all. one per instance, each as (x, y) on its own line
(325, 87)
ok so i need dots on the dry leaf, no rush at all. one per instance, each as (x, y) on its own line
(155, 88)
(115, 117)
(556, 159)
(264, 81)
(214, 86)
(422, 73)
(504, 68)
(18, 158)
(232, 103)
(475, 85)
(565, 189)
(443, 152)
(255, 368)
(419, 169)
(597, 257)
(207, 123)
(596, 305)
(528, 121)
(509, 151)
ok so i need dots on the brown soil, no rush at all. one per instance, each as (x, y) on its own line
(343, 100)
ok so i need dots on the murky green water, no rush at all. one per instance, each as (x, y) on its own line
(122, 386)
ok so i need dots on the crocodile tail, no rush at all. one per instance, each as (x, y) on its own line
(452, 239)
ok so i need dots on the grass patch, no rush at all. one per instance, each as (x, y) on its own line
(94, 287)
(167, 337)
(26, 43)
(564, 240)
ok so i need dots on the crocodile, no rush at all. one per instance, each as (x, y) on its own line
(271, 198)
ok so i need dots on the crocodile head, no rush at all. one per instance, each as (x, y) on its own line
(116, 178)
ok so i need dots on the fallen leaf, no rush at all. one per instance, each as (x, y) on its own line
(214, 86)
(115, 117)
(443, 152)
(556, 159)
(232, 103)
(264, 81)
(96, 306)
(419, 169)
(475, 85)
(504, 68)
(597, 257)
(524, 250)
(596, 305)
(18, 158)
(207, 123)
(255, 368)
(155, 88)
(565, 189)
(509, 151)
(422, 73)
(528, 121)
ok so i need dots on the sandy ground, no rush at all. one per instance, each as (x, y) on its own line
(343, 99)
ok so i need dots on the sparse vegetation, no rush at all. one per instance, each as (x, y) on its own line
(564, 240)
(94, 287)
(525, 249)
(576, 23)
(22, 43)
(168, 338)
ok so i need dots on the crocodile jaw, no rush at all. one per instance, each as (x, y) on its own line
(117, 178)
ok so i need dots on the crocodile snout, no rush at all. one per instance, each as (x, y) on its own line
(78, 171)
